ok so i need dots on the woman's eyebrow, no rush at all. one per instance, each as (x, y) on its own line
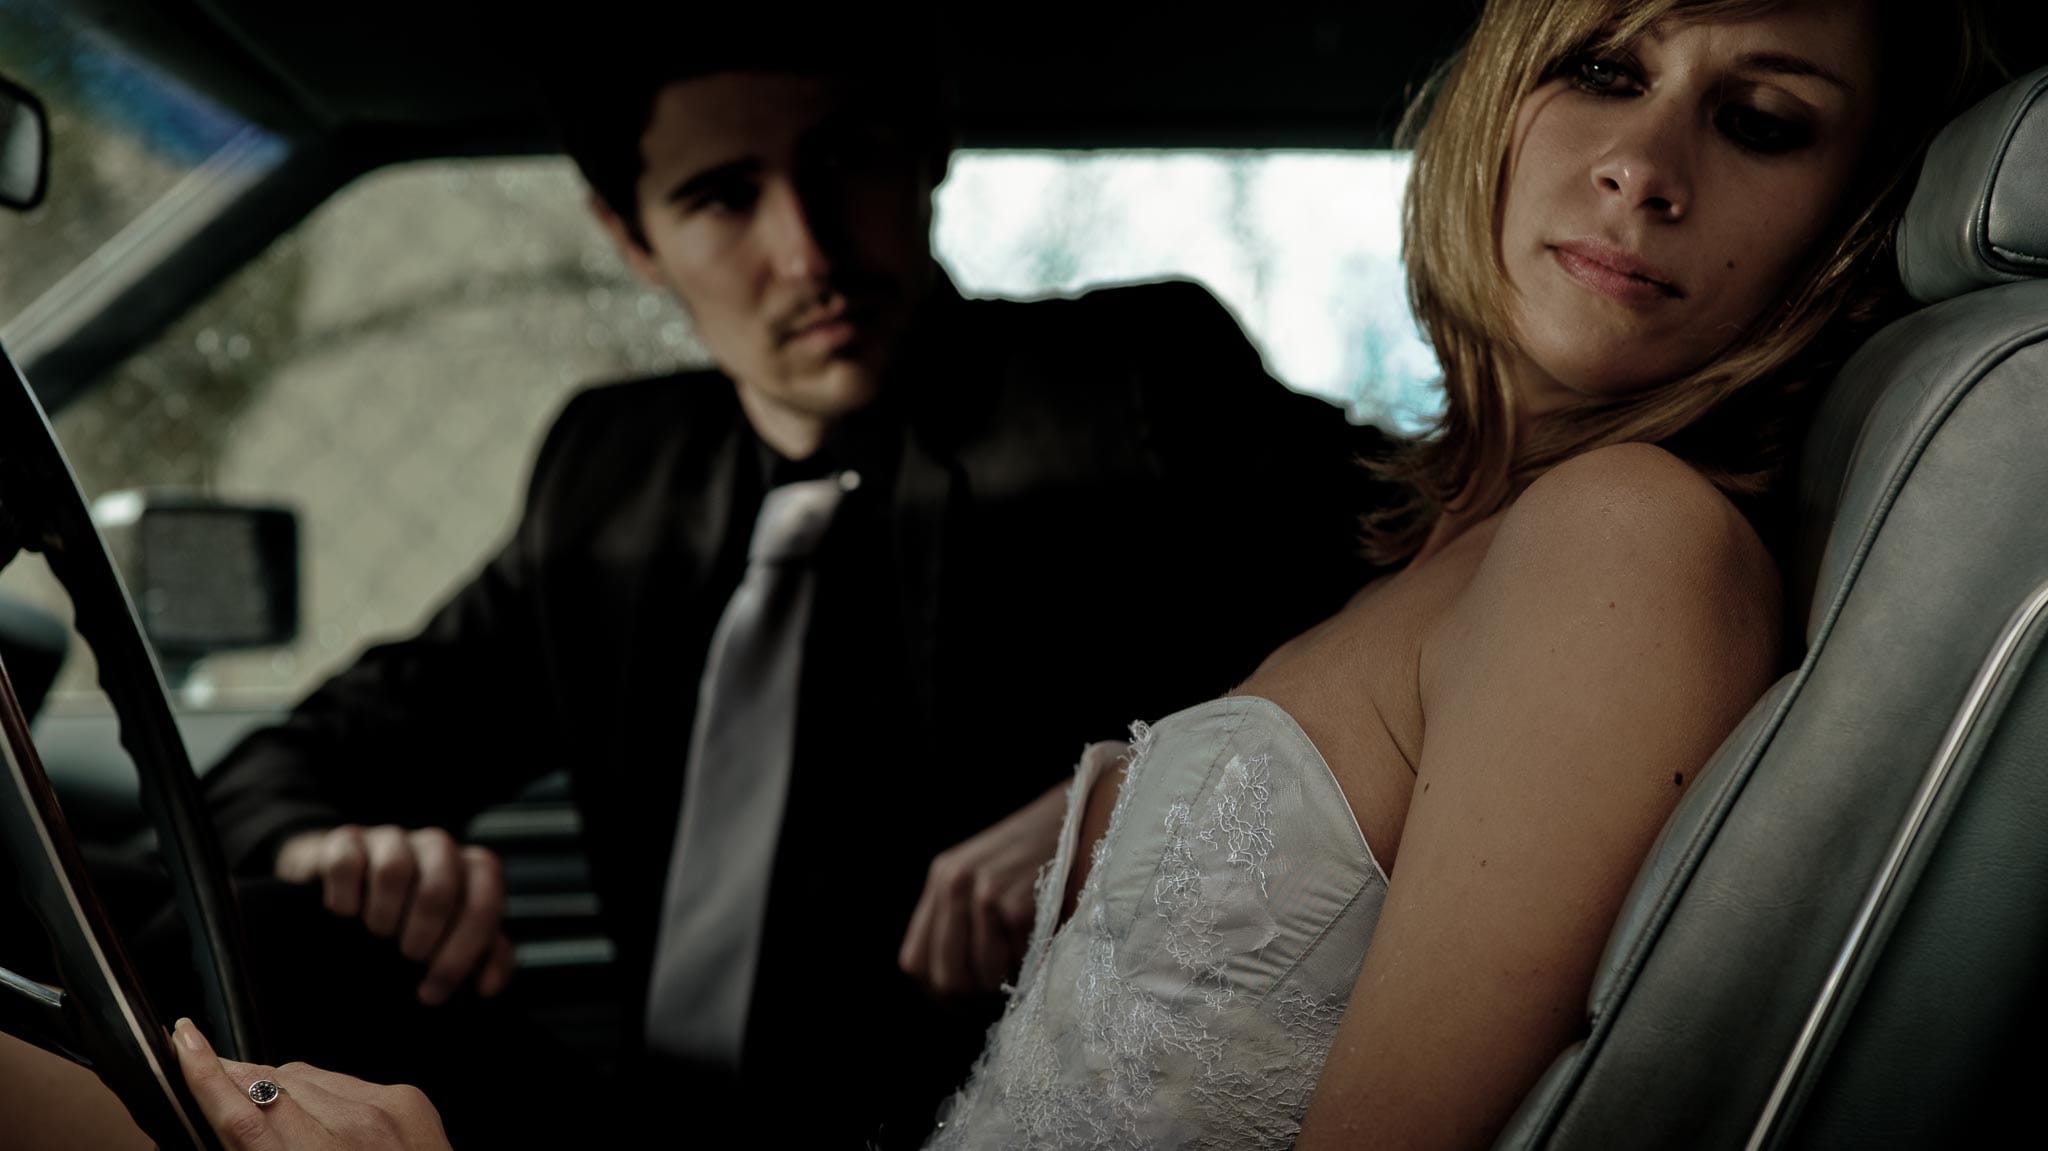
(1784, 64)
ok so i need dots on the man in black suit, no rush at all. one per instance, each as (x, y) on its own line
(1070, 514)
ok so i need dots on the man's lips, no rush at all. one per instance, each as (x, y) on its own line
(827, 334)
(1615, 273)
(837, 322)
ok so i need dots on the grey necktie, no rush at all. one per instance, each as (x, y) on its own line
(735, 782)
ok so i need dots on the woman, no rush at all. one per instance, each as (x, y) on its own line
(1634, 231)
(1363, 895)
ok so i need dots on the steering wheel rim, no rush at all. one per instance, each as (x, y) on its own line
(100, 1017)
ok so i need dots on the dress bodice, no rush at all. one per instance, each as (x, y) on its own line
(1191, 999)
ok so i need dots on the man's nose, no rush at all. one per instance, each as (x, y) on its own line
(1648, 164)
(790, 234)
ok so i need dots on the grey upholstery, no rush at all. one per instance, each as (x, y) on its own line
(1980, 214)
(1817, 901)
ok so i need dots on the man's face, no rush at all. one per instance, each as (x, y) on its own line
(795, 226)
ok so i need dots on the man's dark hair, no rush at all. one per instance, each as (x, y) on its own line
(601, 87)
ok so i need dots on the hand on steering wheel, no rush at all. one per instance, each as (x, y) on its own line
(308, 1109)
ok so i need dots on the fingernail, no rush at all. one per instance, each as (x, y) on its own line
(188, 1035)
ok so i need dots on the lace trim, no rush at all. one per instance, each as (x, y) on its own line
(1087, 1056)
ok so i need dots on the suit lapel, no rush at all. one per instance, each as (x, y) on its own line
(704, 512)
(684, 521)
(927, 486)
(952, 376)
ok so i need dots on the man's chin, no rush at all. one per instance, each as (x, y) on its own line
(837, 388)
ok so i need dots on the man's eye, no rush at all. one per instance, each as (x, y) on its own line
(1602, 76)
(1762, 132)
(735, 196)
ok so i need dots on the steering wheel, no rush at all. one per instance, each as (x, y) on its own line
(100, 1017)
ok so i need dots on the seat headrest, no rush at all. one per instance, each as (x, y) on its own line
(1979, 215)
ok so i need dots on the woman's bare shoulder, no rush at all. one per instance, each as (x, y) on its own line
(1620, 548)
(1628, 511)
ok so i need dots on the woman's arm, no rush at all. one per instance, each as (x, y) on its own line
(53, 1104)
(1623, 620)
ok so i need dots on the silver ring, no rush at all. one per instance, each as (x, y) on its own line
(263, 1092)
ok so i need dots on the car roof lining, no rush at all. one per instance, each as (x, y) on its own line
(1074, 75)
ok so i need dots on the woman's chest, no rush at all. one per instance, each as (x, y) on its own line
(1354, 684)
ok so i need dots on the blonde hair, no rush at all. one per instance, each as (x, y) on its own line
(1734, 417)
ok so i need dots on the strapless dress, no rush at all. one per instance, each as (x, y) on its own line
(1191, 999)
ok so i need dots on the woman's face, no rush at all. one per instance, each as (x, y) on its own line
(1659, 197)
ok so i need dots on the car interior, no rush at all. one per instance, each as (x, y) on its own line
(1836, 940)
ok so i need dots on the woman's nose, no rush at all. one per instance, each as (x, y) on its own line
(1648, 165)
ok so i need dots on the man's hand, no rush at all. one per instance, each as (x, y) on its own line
(973, 922)
(443, 900)
(314, 1110)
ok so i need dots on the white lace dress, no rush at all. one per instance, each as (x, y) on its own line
(1191, 999)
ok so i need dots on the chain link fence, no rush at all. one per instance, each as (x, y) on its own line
(386, 369)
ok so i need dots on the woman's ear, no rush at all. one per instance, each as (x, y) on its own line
(636, 253)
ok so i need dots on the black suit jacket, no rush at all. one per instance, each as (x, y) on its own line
(1101, 509)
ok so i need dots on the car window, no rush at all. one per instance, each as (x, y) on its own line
(1305, 247)
(126, 142)
(387, 367)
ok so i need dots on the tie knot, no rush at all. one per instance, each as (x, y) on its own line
(794, 517)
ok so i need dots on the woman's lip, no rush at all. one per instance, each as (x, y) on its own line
(1589, 271)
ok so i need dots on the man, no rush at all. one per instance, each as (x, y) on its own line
(1036, 523)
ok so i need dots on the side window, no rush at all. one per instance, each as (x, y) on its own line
(386, 369)
(1304, 246)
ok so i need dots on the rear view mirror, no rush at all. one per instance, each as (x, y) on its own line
(206, 576)
(24, 147)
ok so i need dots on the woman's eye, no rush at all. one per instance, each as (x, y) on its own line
(1761, 131)
(1601, 76)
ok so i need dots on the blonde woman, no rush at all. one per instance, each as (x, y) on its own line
(1361, 897)
(1359, 900)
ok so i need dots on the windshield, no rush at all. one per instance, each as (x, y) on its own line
(126, 143)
